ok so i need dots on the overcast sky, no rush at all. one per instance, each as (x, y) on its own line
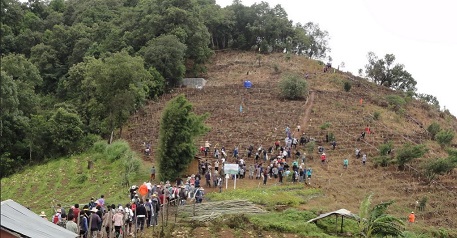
(421, 34)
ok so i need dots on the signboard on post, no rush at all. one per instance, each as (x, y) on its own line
(231, 169)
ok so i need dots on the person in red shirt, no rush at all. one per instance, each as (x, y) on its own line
(76, 211)
(323, 158)
(412, 217)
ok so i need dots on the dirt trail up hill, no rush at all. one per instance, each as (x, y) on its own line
(265, 115)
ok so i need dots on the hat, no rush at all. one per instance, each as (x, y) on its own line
(42, 214)
(323, 153)
(59, 210)
(412, 212)
(154, 195)
(94, 209)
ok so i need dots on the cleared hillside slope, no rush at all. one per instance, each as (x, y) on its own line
(265, 115)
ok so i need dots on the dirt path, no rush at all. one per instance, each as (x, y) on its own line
(309, 106)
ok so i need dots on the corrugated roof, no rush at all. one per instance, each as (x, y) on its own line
(21, 220)
(341, 212)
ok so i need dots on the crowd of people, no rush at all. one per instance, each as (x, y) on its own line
(279, 162)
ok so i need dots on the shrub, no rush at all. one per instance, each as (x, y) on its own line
(276, 68)
(444, 137)
(376, 115)
(433, 129)
(347, 86)
(409, 152)
(395, 102)
(310, 148)
(382, 161)
(293, 87)
(325, 126)
(385, 148)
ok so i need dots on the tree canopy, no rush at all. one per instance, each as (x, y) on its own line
(385, 73)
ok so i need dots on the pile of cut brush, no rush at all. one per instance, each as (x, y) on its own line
(211, 210)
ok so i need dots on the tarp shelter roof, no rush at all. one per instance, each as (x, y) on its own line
(21, 220)
(341, 212)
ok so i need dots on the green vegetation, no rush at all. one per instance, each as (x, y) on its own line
(433, 129)
(325, 126)
(377, 116)
(68, 180)
(395, 102)
(409, 152)
(179, 127)
(290, 196)
(444, 137)
(385, 73)
(100, 61)
(293, 87)
(375, 222)
(347, 86)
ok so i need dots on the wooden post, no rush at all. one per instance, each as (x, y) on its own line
(342, 220)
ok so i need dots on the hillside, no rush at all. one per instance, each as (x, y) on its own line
(265, 115)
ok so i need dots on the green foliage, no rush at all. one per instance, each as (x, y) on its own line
(383, 160)
(433, 129)
(276, 68)
(395, 102)
(179, 127)
(331, 136)
(347, 86)
(291, 195)
(385, 148)
(166, 54)
(325, 126)
(409, 152)
(65, 128)
(286, 222)
(376, 116)
(439, 167)
(293, 87)
(375, 222)
(429, 99)
(444, 137)
(309, 147)
(385, 73)
(71, 175)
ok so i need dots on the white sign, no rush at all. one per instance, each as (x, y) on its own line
(231, 168)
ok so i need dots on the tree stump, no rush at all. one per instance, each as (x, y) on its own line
(90, 164)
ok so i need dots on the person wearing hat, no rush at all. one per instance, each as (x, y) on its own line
(92, 203)
(411, 217)
(94, 221)
(57, 217)
(43, 215)
(323, 158)
(155, 202)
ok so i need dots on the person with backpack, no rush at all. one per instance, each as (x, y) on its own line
(57, 217)
(148, 207)
(128, 219)
(83, 224)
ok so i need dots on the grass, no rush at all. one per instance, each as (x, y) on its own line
(270, 197)
(68, 181)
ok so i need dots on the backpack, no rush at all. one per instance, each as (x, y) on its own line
(148, 207)
(55, 218)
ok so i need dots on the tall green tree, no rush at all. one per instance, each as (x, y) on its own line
(179, 127)
(375, 222)
(384, 72)
(166, 54)
(409, 152)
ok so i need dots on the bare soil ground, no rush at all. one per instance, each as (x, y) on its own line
(265, 115)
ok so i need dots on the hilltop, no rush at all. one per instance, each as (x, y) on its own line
(265, 115)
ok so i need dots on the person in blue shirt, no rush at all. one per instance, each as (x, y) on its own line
(309, 171)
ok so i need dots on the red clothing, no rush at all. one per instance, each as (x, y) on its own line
(76, 212)
(323, 157)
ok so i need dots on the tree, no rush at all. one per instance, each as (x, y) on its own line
(433, 129)
(375, 222)
(65, 130)
(293, 87)
(444, 137)
(409, 152)
(166, 54)
(318, 48)
(179, 127)
(385, 73)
